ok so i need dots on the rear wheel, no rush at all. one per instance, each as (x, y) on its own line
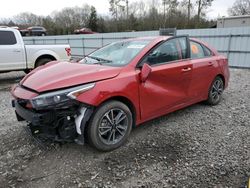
(215, 91)
(42, 61)
(110, 126)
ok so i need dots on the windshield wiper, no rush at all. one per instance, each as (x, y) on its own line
(99, 59)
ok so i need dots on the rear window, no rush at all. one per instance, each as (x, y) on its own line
(196, 50)
(7, 38)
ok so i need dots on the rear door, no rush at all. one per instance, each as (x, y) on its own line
(204, 70)
(168, 84)
(11, 52)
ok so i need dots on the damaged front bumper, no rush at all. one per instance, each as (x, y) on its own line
(61, 125)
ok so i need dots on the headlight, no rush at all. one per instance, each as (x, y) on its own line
(59, 97)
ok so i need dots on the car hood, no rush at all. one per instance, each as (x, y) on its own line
(56, 75)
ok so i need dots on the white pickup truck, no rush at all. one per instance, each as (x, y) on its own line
(14, 55)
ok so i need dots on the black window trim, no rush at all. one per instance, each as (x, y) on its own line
(211, 53)
(139, 64)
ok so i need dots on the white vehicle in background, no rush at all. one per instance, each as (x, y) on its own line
(15, 56)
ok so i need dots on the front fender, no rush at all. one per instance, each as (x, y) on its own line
(118, 87)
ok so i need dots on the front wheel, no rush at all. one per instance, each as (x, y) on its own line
(215, 91)
(110, 126)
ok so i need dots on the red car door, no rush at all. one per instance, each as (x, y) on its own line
(168, 83)
(204, 70)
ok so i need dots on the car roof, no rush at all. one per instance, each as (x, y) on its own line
(162, 38)
(154, 39)
(39, 27)
(157, 39)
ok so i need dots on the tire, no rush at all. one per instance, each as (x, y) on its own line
(42, 61)
(215, 91)
(103, 133)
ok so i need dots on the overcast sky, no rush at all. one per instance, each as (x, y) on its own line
(10, 8)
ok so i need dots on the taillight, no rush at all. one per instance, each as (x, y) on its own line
(68, 50)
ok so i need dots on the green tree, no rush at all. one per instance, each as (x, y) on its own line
(137, 15)
(92, 22)
(50, 25)
(133, 23)
(101, 22)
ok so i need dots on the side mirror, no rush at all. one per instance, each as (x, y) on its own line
(145, 71)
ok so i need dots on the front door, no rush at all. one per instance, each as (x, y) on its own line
(168, 84)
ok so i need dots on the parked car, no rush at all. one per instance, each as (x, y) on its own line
(119, 87)
(84, 31)
(14, 55)
(34, 31)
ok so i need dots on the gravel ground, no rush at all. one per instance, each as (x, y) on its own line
(199, 146)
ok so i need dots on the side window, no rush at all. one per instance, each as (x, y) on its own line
(196, 50)
(7, 38)
(166, 52)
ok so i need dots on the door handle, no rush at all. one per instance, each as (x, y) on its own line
(210, 63)
(16, 50)
(186, 69)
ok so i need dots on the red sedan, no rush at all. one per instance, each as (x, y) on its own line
(84, 31)
(118, 87)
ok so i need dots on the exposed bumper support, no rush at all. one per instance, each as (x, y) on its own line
(83, 118)
(56, 124)
(79, 119)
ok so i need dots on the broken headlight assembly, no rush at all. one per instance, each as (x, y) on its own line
(58, 98)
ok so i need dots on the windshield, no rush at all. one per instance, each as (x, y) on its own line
(116, 54)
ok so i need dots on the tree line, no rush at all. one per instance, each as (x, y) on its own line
(124, 16)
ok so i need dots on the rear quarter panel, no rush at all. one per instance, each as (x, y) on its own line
(223, 62)
(214, 71)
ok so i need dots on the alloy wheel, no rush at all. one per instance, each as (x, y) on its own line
(217, 90)
(113, 126)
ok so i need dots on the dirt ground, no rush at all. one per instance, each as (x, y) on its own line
(199, 146)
